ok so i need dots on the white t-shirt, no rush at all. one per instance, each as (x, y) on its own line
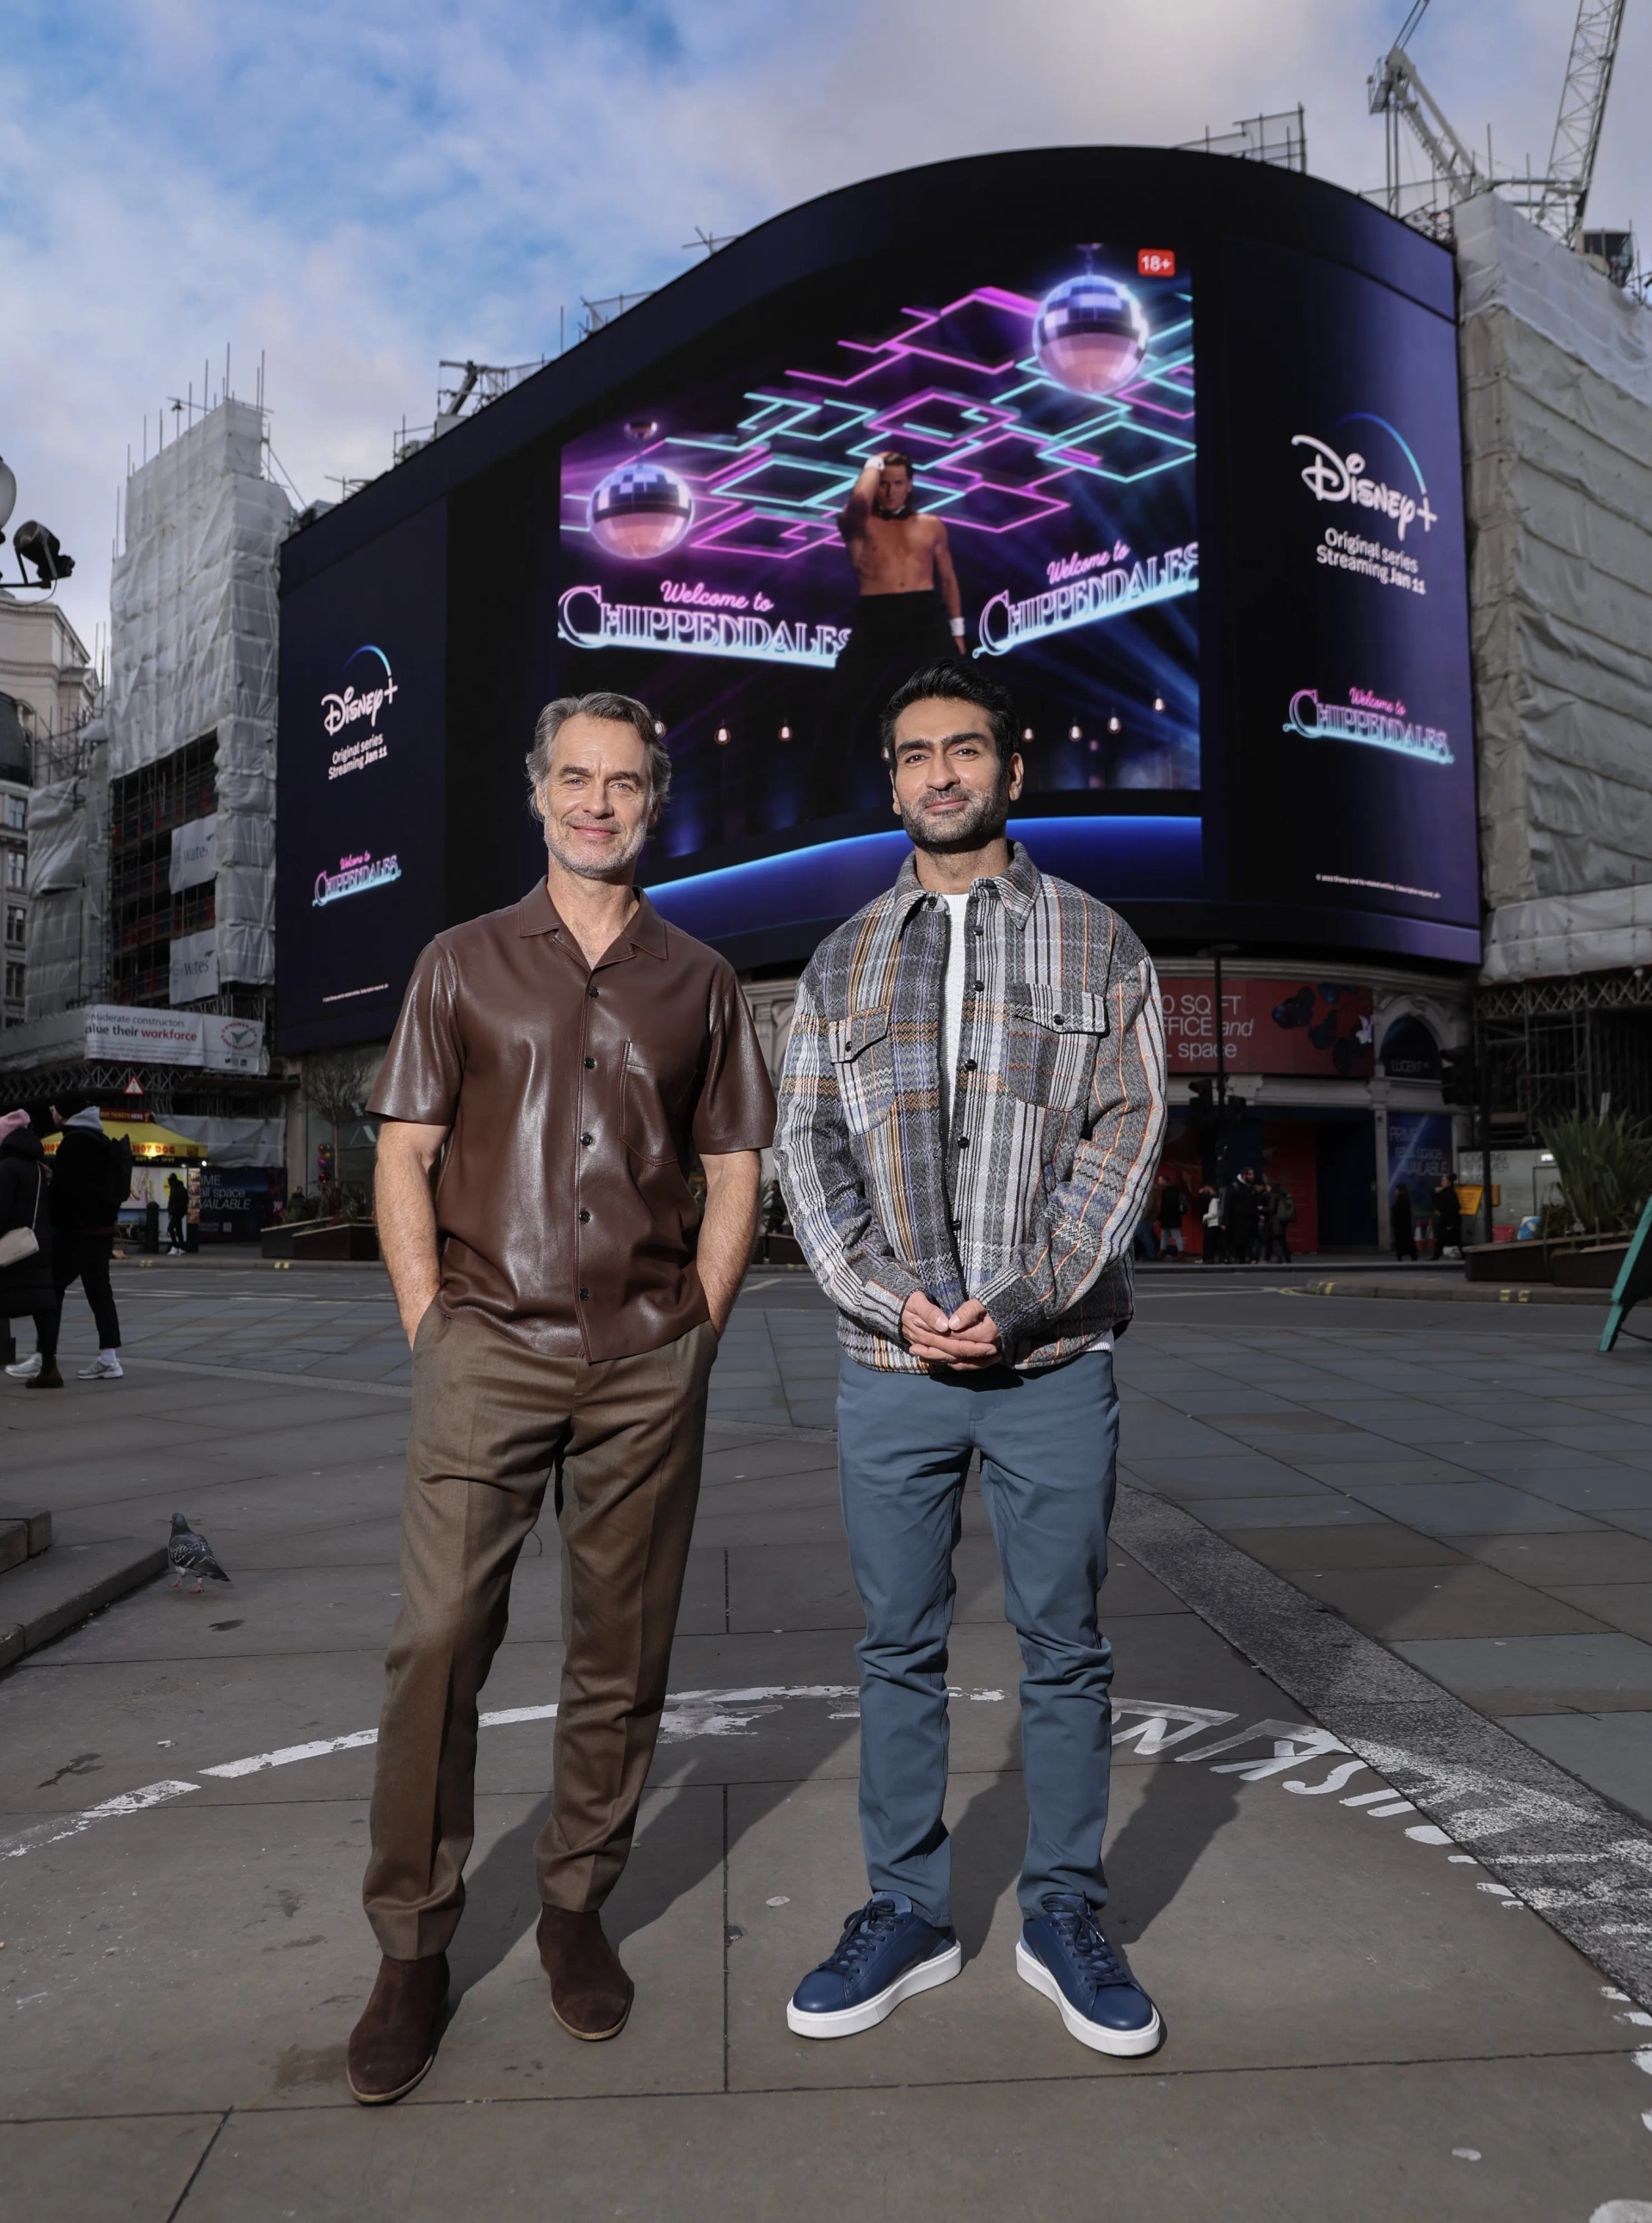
(952, 1001)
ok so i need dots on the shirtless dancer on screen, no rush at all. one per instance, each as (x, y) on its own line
(909, 614)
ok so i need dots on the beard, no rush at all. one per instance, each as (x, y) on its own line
(614, 866)
(982, 820)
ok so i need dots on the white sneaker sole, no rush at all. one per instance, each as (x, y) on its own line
(103, 1374)
(1126, 2044)
(848, 2020)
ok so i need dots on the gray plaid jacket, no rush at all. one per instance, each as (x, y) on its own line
(1030, 1202)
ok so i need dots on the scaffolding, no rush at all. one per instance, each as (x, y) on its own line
(1280, 140)
(144, 914)
(1545, 1049)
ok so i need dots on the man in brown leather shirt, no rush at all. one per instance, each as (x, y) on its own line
(563, 1059)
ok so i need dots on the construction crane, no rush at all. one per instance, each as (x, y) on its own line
(1398, 93)
(1577, 128)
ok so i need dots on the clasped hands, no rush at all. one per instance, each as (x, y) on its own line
(967, 1340)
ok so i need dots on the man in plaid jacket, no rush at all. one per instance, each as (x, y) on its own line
(971, 1116)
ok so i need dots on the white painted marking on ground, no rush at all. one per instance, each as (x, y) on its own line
(285, 1755)
(61, 1826)
(1153, 1734)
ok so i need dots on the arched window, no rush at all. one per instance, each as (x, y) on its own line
(1409, 1051)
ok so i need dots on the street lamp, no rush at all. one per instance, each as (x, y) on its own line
(33, 542)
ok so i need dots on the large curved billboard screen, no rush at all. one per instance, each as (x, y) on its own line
(1262, 711)
(727, 556)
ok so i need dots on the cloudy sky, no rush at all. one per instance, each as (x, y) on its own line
(356, 193)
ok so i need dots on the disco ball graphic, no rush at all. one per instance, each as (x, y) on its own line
(1090, 335)
(642, 510)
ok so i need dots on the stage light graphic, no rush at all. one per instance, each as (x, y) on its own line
(640, 510)
(1090, 335)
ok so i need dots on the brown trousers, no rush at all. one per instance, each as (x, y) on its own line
(493, 1422)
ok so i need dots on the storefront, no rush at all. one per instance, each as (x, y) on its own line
(1341, 1078)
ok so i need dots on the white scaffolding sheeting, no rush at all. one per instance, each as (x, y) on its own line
(192, 652)
(1557, 398)
(68, 883)
(236, 1141)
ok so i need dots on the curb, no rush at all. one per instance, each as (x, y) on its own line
(1459, 1293)
(56, 1591)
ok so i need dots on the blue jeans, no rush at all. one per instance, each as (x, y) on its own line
(1047, 1443)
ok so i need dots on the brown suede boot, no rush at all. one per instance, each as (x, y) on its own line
(394, 2042)
(591, 1993)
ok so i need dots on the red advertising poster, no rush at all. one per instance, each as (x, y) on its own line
(1269, 1026)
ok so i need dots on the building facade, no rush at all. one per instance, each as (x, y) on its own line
(49, 692)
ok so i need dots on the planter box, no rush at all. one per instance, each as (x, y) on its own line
(1597, 1269)
(1519, 1264)
(356, 1241)
(777, 1251)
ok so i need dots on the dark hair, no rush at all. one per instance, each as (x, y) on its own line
(893, 457)
(953, 681)
(617, 709)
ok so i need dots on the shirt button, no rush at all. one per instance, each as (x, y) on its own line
(963, 1142)
(591, 991)
(1059, 1021)
(591, 1064)
(969, 1065)
(957, 1226)
(979, 985)
(584, 1215)
(584, 1292)
(586, 1141)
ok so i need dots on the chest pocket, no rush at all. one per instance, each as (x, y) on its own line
(863, 1060)
(1053, 1035)
(655, 1127)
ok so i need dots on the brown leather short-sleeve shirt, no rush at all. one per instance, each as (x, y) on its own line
(573, 1094)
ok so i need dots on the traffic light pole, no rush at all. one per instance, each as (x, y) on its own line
(1221, 1041)
(1482, 1066)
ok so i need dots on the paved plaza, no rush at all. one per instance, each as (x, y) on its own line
(1382, 1844)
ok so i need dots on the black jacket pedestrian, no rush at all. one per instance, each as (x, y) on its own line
(24, 1183)
(80, 1182)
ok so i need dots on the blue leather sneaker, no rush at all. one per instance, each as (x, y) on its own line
(1062, 1953)
(887, 1953)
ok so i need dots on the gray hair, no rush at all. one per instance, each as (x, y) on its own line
(617, 709)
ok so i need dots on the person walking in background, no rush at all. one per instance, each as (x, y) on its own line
(1172, 1209)
(25, 1230)
(1245, 1220)
(975, 1238)
(1401, 1228)
(1210, 1224)
(86, 1175)
(177, 1214)
(564, 1060)
(1447, 1219)
(1282, 1211)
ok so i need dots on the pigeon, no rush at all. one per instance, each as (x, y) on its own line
(190, 1554)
